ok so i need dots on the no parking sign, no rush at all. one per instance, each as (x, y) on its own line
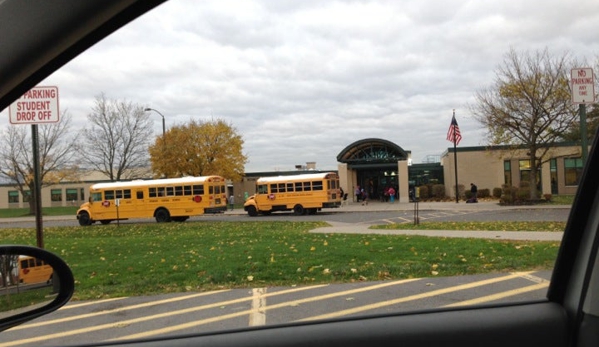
(38, 105)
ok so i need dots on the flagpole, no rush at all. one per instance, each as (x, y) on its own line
(455, 161)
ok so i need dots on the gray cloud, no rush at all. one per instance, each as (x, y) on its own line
(300, 80)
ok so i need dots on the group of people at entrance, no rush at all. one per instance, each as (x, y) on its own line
(389, 194)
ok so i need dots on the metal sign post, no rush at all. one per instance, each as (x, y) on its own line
(38, 105)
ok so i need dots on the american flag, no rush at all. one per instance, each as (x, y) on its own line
(453, 134)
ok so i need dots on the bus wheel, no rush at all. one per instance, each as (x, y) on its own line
(106, 221)
(162, 216)
(298, 210)
(84, 219)
(252, 211)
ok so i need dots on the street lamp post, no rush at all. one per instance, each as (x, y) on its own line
(163, 124)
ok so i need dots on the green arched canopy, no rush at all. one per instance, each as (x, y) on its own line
(371, 153)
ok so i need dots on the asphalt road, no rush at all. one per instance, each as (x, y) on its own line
(369, 216)
(197, 312)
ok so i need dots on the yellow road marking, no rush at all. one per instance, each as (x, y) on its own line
(242, 313)
(120, 309)
(263, 308)
(138, 320)
(411, 298)
(501, 295)
(82, 304)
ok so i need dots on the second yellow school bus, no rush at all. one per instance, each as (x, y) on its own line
(33, 270)
(168, 199)
(306, 193)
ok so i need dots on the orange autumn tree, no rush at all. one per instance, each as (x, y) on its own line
(199, 148)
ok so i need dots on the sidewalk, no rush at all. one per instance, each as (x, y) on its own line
(351, 228)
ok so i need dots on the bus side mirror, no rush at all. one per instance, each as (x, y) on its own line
(23, 299)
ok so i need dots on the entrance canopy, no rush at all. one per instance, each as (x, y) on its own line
(371, 153)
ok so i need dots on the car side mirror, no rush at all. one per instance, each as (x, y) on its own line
(33, 282)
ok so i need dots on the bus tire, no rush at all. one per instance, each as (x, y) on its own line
(298, 210)
(162, 215)
(84, 219)
(252, 211)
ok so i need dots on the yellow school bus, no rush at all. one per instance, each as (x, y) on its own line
(307, 193)
(168, 199)
(33, 270)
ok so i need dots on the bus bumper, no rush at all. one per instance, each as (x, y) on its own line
(220, 209)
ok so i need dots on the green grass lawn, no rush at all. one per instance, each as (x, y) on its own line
(145, 259)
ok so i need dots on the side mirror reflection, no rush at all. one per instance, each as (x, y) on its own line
(33, 282)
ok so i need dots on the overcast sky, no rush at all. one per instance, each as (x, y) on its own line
(301, 80)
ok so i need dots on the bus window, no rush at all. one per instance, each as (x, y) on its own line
(331, 184)
(290, 187)
(298, 187)
(187, 190)
(281, 187)
(198, 189)
(108, 194)
(262, 189)
(140, 194)
(119, 194)
(127, 193)
(307, 186)
(170, 191)
(160, 191)
(317, 185)
(153, 193)
(178, 191)
(96, 196)
(274, 188)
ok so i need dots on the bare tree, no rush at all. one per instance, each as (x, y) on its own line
(528, 106)
(117, 141)
(57, 154)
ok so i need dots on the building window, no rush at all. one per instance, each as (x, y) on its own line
(82, 194)
(27, 196)
(13, 197)
(71, 194)
(524, 166)
(572, 171)
(56, 195)
(507, 173)
(553, 173)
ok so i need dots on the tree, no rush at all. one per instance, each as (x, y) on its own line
(57, 154)
(116, 143)
(199, 148)
(528, 106)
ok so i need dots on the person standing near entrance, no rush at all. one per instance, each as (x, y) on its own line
(231, 202)
(474, 191)
(391, 194)
(358, 193)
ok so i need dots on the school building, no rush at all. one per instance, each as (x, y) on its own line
(373, 164)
